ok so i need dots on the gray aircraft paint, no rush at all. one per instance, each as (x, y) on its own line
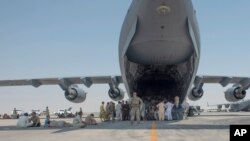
(159, 49)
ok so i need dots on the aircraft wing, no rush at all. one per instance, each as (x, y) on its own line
(64, 82)
(223, 80)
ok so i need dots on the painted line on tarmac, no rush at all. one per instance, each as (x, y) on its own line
(154, 132)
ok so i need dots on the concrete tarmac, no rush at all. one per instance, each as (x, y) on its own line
(206, 127)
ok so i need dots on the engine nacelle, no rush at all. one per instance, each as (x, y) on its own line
(116, 94)
(75, 94)
(235, 94)
(195, 94)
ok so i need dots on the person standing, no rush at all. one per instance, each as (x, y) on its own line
(47, 111)
(47, 121)
(169, 107)
(135, 102)
(161, 110)
(112, 111)
(102, 112)
(14, 115)
(143, 111)
(126, 111)
(80, 112)
(107, 111)
(177, 109)
(65, 113)
(185, 105)
(118, 110)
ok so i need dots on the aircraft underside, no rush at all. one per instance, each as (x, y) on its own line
(156, 82)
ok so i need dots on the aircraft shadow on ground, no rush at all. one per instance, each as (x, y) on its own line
(125, 126)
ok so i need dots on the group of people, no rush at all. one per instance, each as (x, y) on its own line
(120, 111)
(123, 110)
(25, 121)
(136, 108)
(34, 121)
(133, 109)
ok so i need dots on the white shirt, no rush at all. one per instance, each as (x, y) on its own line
(23, 121)
(169, 106)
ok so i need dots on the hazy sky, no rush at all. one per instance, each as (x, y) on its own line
(59, 38)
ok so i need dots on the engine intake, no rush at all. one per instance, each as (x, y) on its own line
(75, 94)
(195, 94)
(116, 94)
(235, 94)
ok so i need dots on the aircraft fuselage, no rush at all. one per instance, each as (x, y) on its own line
(159, 48)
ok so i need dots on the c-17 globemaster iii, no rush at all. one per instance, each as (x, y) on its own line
(159, 53)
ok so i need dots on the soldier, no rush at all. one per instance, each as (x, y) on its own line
(135, 102)
(125, 111)
(107, 111)
(112, 111)
(47, 111)
(65, 113)
(15, 116)
(102, 112)
(80, 112)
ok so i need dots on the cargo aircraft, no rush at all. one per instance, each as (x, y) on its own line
(159, 53)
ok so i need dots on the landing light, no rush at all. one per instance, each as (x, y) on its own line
(163, 10)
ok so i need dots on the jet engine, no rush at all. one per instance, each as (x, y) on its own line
(235, 94)
(195, 94)
(75, 94)
(116, 94)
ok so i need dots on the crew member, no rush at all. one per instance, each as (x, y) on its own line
(135, 102)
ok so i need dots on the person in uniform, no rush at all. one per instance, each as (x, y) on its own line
(90, 120)
(15, 115)
(134, 103)
(47, 111)
(35, 120)
(161, 110)
(65, 113)
(80, 112)
(125, 111)
(107, 111)
(102, 112)
(112, 111)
